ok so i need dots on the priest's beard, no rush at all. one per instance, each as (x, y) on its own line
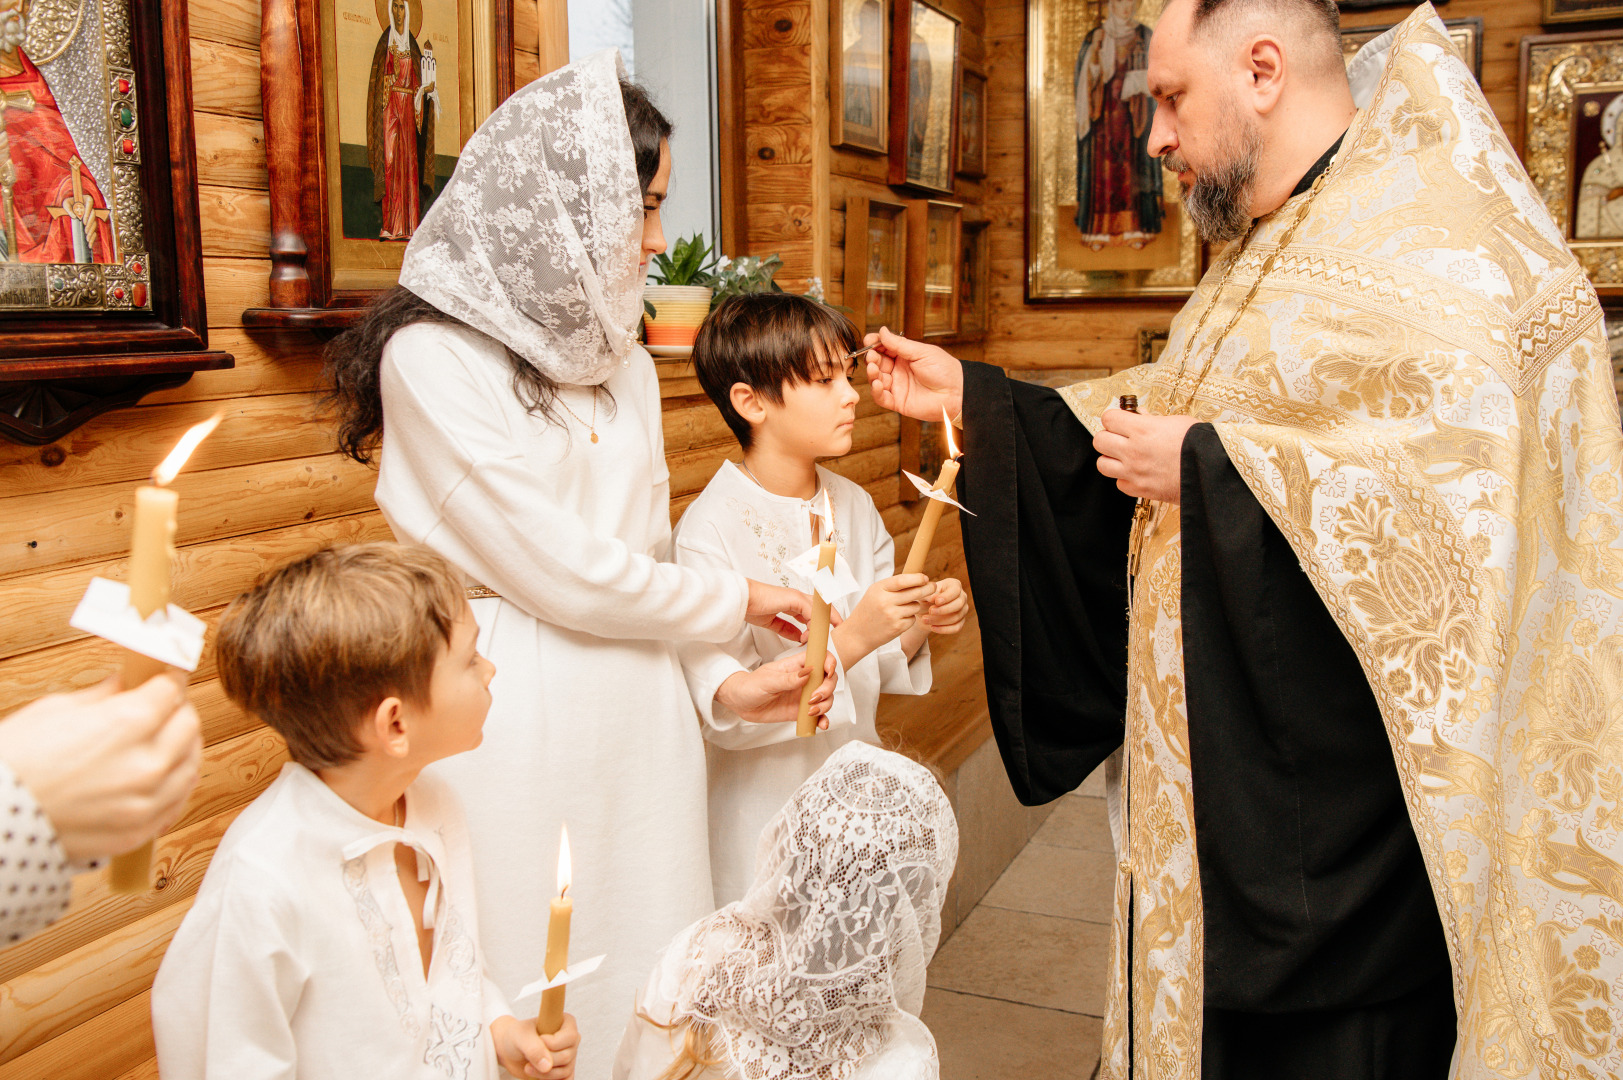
(1219, 200)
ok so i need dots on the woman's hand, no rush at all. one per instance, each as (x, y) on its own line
(914, 379)
(769, 603)
(111, 770)
(949, 608)
(771, 693)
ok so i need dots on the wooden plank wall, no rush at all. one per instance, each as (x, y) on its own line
(264, 488)
(1103, 335)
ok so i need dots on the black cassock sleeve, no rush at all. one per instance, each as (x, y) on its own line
(1047, 553)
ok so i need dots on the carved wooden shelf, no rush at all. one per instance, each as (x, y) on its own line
(302, 318)
(43, 400)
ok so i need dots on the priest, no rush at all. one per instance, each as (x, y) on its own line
(1341, 605)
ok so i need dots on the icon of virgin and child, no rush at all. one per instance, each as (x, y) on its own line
(51, 208)
(1118, 183)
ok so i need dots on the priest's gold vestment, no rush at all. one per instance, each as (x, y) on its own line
(1420, 396)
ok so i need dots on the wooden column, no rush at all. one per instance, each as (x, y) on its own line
(281, 87)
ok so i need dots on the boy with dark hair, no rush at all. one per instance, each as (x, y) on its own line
(336, 933)
(775, 365)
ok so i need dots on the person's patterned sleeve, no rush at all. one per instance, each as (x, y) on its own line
(36, 879)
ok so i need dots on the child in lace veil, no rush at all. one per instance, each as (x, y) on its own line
(819, 972)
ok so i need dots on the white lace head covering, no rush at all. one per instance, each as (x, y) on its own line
(536, 238)
(823, 962)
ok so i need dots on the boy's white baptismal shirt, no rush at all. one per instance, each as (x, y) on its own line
(753, 768)
(299, 958)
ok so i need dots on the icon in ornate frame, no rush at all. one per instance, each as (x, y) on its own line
(924, 96)
(1093, 232)
(1572, 143)
(859, 73)
(100, 261)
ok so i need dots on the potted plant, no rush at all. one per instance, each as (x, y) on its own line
(677, 298)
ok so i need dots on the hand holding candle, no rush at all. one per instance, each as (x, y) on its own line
(151, 550)
(933, 507)
(551, 1016)
(817, 629)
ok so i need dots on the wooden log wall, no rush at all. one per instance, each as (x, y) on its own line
(266, 487)
(1103, 335)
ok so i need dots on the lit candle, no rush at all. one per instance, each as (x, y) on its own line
(817, 629)
(933, 507)
(151, 549)
(551, 1016)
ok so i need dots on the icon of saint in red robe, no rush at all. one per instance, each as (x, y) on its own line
(401, 102)
(51, 209)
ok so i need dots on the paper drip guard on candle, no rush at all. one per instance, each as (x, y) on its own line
(833, 585)
(172, 636)
(567, 975)
(939, 496)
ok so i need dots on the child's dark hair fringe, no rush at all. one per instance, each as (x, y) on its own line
(767, 341)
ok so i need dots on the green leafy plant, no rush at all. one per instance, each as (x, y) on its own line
(690, 262)
(745, 274)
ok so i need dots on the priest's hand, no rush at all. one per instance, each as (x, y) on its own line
(769, 603)
(771, 693)
(1143, 453)
(914, 379)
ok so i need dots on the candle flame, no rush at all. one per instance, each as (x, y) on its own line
(165, 473)
(825, 518)
(563, 860)
(952, 447)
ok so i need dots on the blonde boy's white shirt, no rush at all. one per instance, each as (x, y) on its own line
(299, 958)
(737, 525)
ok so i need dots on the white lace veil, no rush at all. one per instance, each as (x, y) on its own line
(536, 238)
(823, 961)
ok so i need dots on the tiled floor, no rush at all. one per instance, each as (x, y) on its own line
(1017, 991)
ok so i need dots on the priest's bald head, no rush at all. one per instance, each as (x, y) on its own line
(1249, 94)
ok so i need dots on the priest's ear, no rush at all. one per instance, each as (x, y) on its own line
(1267, 63)
(747, 403)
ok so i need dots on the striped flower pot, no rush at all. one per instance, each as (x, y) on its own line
(678, 311)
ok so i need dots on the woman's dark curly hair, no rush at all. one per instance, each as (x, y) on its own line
(354, 358)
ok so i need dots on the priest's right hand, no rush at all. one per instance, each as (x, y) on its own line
(771, 693)
(914, 379)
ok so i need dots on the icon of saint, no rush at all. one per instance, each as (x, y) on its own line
(1118, 183)
(863, 68)
(51, 208)
(401, 104)
(1600, 193)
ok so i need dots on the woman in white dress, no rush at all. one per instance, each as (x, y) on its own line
(818, 973)
(521, 438)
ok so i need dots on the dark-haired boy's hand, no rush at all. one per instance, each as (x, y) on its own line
(886, 611)
(949, 608)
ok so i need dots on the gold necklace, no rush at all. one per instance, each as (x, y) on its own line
(1142, 512)
(592, 427)
(1239, 312)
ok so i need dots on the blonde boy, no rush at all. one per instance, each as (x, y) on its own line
(773, 364)
(335, 934)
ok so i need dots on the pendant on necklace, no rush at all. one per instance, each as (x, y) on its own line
(594, 436)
